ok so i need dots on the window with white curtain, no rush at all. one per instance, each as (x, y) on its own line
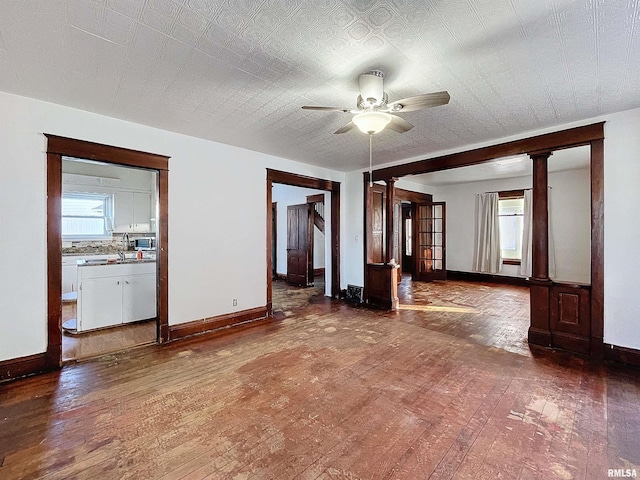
(511, 215)
(86, 215)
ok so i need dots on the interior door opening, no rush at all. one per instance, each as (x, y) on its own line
(303, 220)
(59, 147)
(109, 274)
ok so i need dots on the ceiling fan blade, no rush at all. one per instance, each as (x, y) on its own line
(419, 102)
(328, 109)
(399, 124)
(345, 128)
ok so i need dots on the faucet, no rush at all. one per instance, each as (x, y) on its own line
(125, 246)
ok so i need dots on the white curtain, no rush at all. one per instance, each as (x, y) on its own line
(487, 253)
(527, 237)
(527, 232)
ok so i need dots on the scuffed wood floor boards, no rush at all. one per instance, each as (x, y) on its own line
(330, 392)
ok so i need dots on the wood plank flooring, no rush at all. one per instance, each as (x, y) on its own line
(105, 341)
(489, 314)
(329, 392)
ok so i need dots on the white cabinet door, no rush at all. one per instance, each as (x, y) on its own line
(69, 278)
(123, 218)
(132, 212)
(141, 212)
(138, 297)
(100, 303)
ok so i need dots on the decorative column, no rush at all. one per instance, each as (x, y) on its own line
(540, 283)
(391, 196)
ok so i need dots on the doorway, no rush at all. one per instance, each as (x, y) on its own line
(109, 281)
(57, 148)
(332, 266)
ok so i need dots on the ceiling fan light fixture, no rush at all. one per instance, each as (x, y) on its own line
(371, 122)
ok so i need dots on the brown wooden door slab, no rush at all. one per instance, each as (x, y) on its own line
(299, 244)
(430, 254)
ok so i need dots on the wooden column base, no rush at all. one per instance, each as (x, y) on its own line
(540, 330)
(382, 285)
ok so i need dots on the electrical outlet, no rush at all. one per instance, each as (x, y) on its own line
(235, 302)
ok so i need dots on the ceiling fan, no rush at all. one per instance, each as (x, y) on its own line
(374, 112)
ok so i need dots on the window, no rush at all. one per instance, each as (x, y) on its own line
(408, 243)
(511, 214)
(86, 215)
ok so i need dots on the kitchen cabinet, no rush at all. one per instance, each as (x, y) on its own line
(69, 273)
(114, 294)
(70, 269)
(132, 212)
(138, 297)
(101, 303)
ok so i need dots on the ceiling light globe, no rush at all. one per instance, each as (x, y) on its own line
(372, 122)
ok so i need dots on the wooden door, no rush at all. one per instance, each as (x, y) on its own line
(430, 254)
(299, 243)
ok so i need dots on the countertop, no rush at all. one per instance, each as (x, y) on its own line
(101, 261)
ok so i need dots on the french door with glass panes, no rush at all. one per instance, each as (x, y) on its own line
(430, 236)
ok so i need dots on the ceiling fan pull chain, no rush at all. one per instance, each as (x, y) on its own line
(370, 154)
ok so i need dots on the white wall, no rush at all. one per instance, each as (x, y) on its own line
(570, 213)
(460, 200)
(352, 255)
(286, 195)
(622, 230)
(203, 177)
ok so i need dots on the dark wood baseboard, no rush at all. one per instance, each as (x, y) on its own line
(539, 337)
(628, 356)
(318, 271)
(485, 277)
(281, 276)
(23, 366)
(571, 342)
(215, 323)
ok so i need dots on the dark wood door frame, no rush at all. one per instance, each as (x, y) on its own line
(295, 180)
(592, 135)
(57, 147)
(274, 239)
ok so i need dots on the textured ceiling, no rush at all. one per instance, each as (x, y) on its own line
(237, 71)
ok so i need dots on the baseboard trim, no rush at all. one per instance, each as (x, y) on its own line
(539, 337)
(318, 271)
(281, 276)
(211, 324)
(570, 342)
(23, 366)
(628, 356)
(485, 277)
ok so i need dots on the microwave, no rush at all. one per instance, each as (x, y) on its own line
(144, 243)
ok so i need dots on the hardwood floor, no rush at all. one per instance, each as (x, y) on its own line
(489, 314)
(331, 391)
(106, 341)
(286, 298)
